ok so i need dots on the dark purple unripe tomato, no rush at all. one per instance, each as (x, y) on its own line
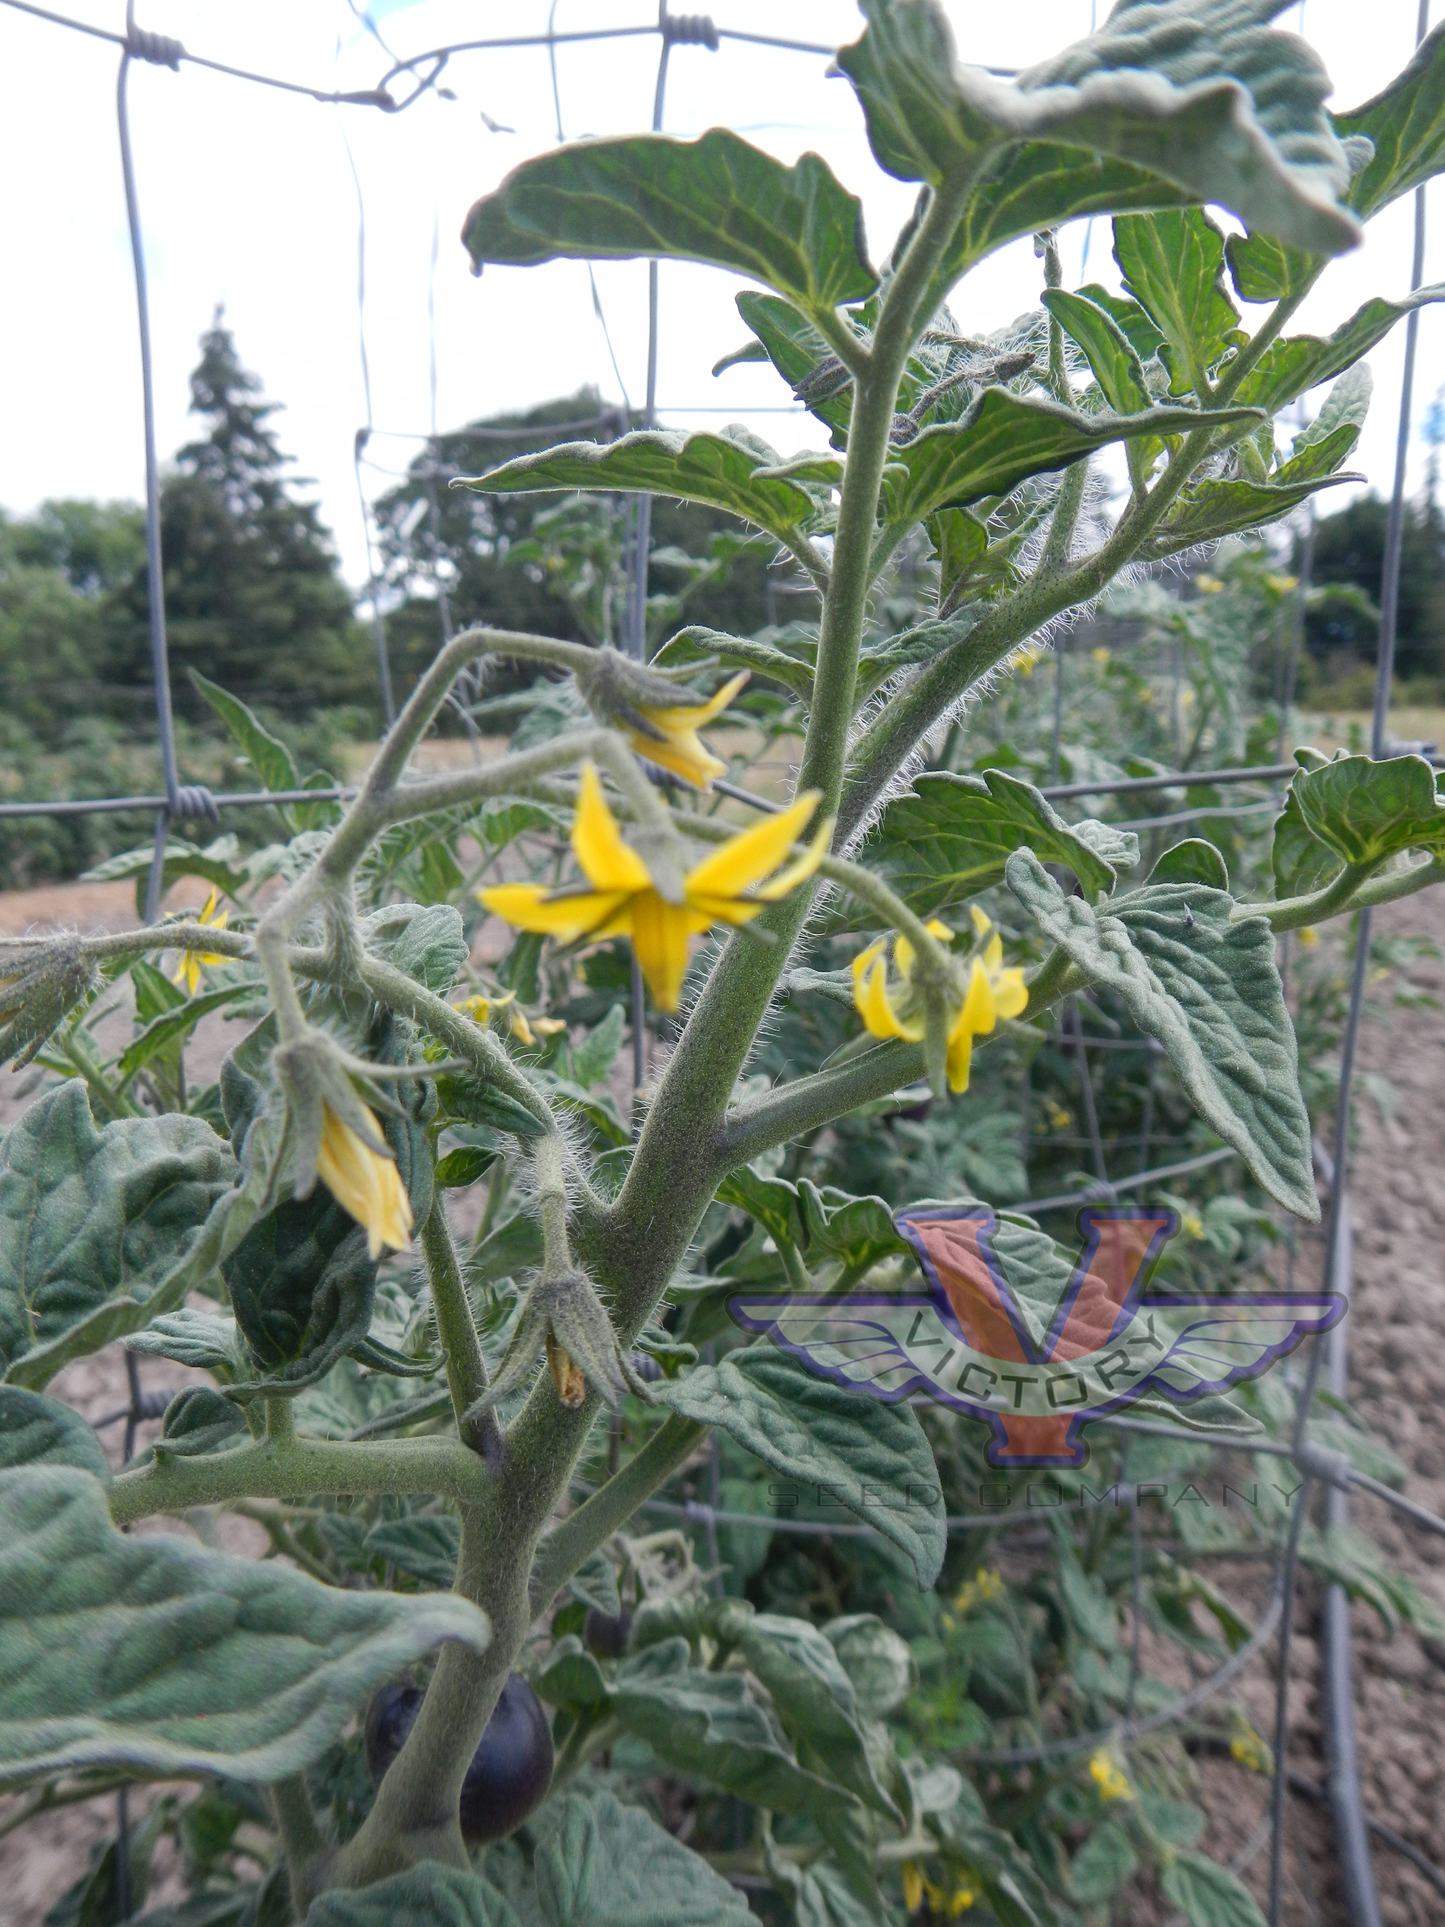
(510, 1771)
(604, 1635)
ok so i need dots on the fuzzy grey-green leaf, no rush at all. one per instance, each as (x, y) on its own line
(1208, 990)
(153, 1654)
(601, 1864)
(427, 1895)
(35, 1430)
(872, 1458)
(716, 199)
(92, 1220)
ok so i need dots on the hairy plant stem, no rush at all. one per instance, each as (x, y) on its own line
(461, 1348)
(301, 1838)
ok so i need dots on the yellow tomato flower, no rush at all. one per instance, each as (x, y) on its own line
(188, 972)
(364, 1183)
(1101, 656)
(1282, 584)
(986, 1585)
(1023, 660)
(895, 1008)
(677, 745)
(1107, 1777)
(728, 886)
(1309, 935)
(1250, 1750)
(1192, 1225)
(912, 1886)
(480, 1008)
(1210, 584)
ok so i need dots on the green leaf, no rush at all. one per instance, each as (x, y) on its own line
(199, 1420)
(716, 199)
(959, 543)
(1141, 332)
(1264, 269)
(1215, 109)
(1362, 813)
(1110, 353)
(878, 1660)
(593, 1059)
(1205, 511)
(595, 1584)
(513, 1248)
(302, 1285)
(702, 645)
(1208, 991)
(1192, 861)
(859, 1231)
(464, 1166)
(1406, 123)
(42, 1431)
(1206, 1894)
(1102, 1865)
(91, 1222)
(705, 467)
(1173, 265)
(174, 1026)
(190, 1337)
(477, 1102)
(795, 348)
(270, 758)
(949, 837)
(181, 859)
(1288, 369)
(606, 1865)
(870, 1457)
(714, 1726)
(771, 1202)
(1004, 438)
(426, 1546)
(152, 1654)
(426, 1895)
(427, 941)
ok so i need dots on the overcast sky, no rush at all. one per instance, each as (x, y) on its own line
(248, 199)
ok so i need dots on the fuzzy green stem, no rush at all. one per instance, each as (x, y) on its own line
(1294, 913)
(296, 1468)
(552, 1207)
(301, 1838)
(461, 1347)
(570, 1544)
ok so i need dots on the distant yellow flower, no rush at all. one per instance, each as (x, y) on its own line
(726, 887)
(364, 1183)
(677, 746)
(1023, 660)
(1309, 935)
(895, 1008)
(1210, 584)
(1192, 1225)
(1250, 1750)
(985, 1586)
(912, 1886)
(1107, 1777)
(480, 1009)
(1101, 656)
(188, 972)
(1282, 584)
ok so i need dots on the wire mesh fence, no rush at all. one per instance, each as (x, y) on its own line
(398, 89)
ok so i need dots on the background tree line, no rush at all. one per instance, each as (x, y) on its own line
(256, 602)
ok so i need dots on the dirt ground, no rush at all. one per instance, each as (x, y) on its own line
(1397, 1374)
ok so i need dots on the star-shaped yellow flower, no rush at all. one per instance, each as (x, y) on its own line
(364, 1182)
(676, 745)
(188, 971)
(895, 1008)
(480, 1009)
(728, 886)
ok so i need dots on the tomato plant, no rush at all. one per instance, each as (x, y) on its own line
(431, 1561)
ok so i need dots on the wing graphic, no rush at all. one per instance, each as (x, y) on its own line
(1221, 1341)
(887, 1346)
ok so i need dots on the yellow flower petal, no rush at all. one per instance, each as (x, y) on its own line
(188, 972)
(959, 1060)
(527, 906)
(912, 1886)
(743, 860)
(364, 1183)
(981, 924)
(1010, 993)
(979, 1013)
(865, 958)
(607, 862)
(993, 954)
(879, 1016)
(804, 866)
(903, 956)
(683, 753)
(697, 715)
(520, 1028)
(660, 932)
